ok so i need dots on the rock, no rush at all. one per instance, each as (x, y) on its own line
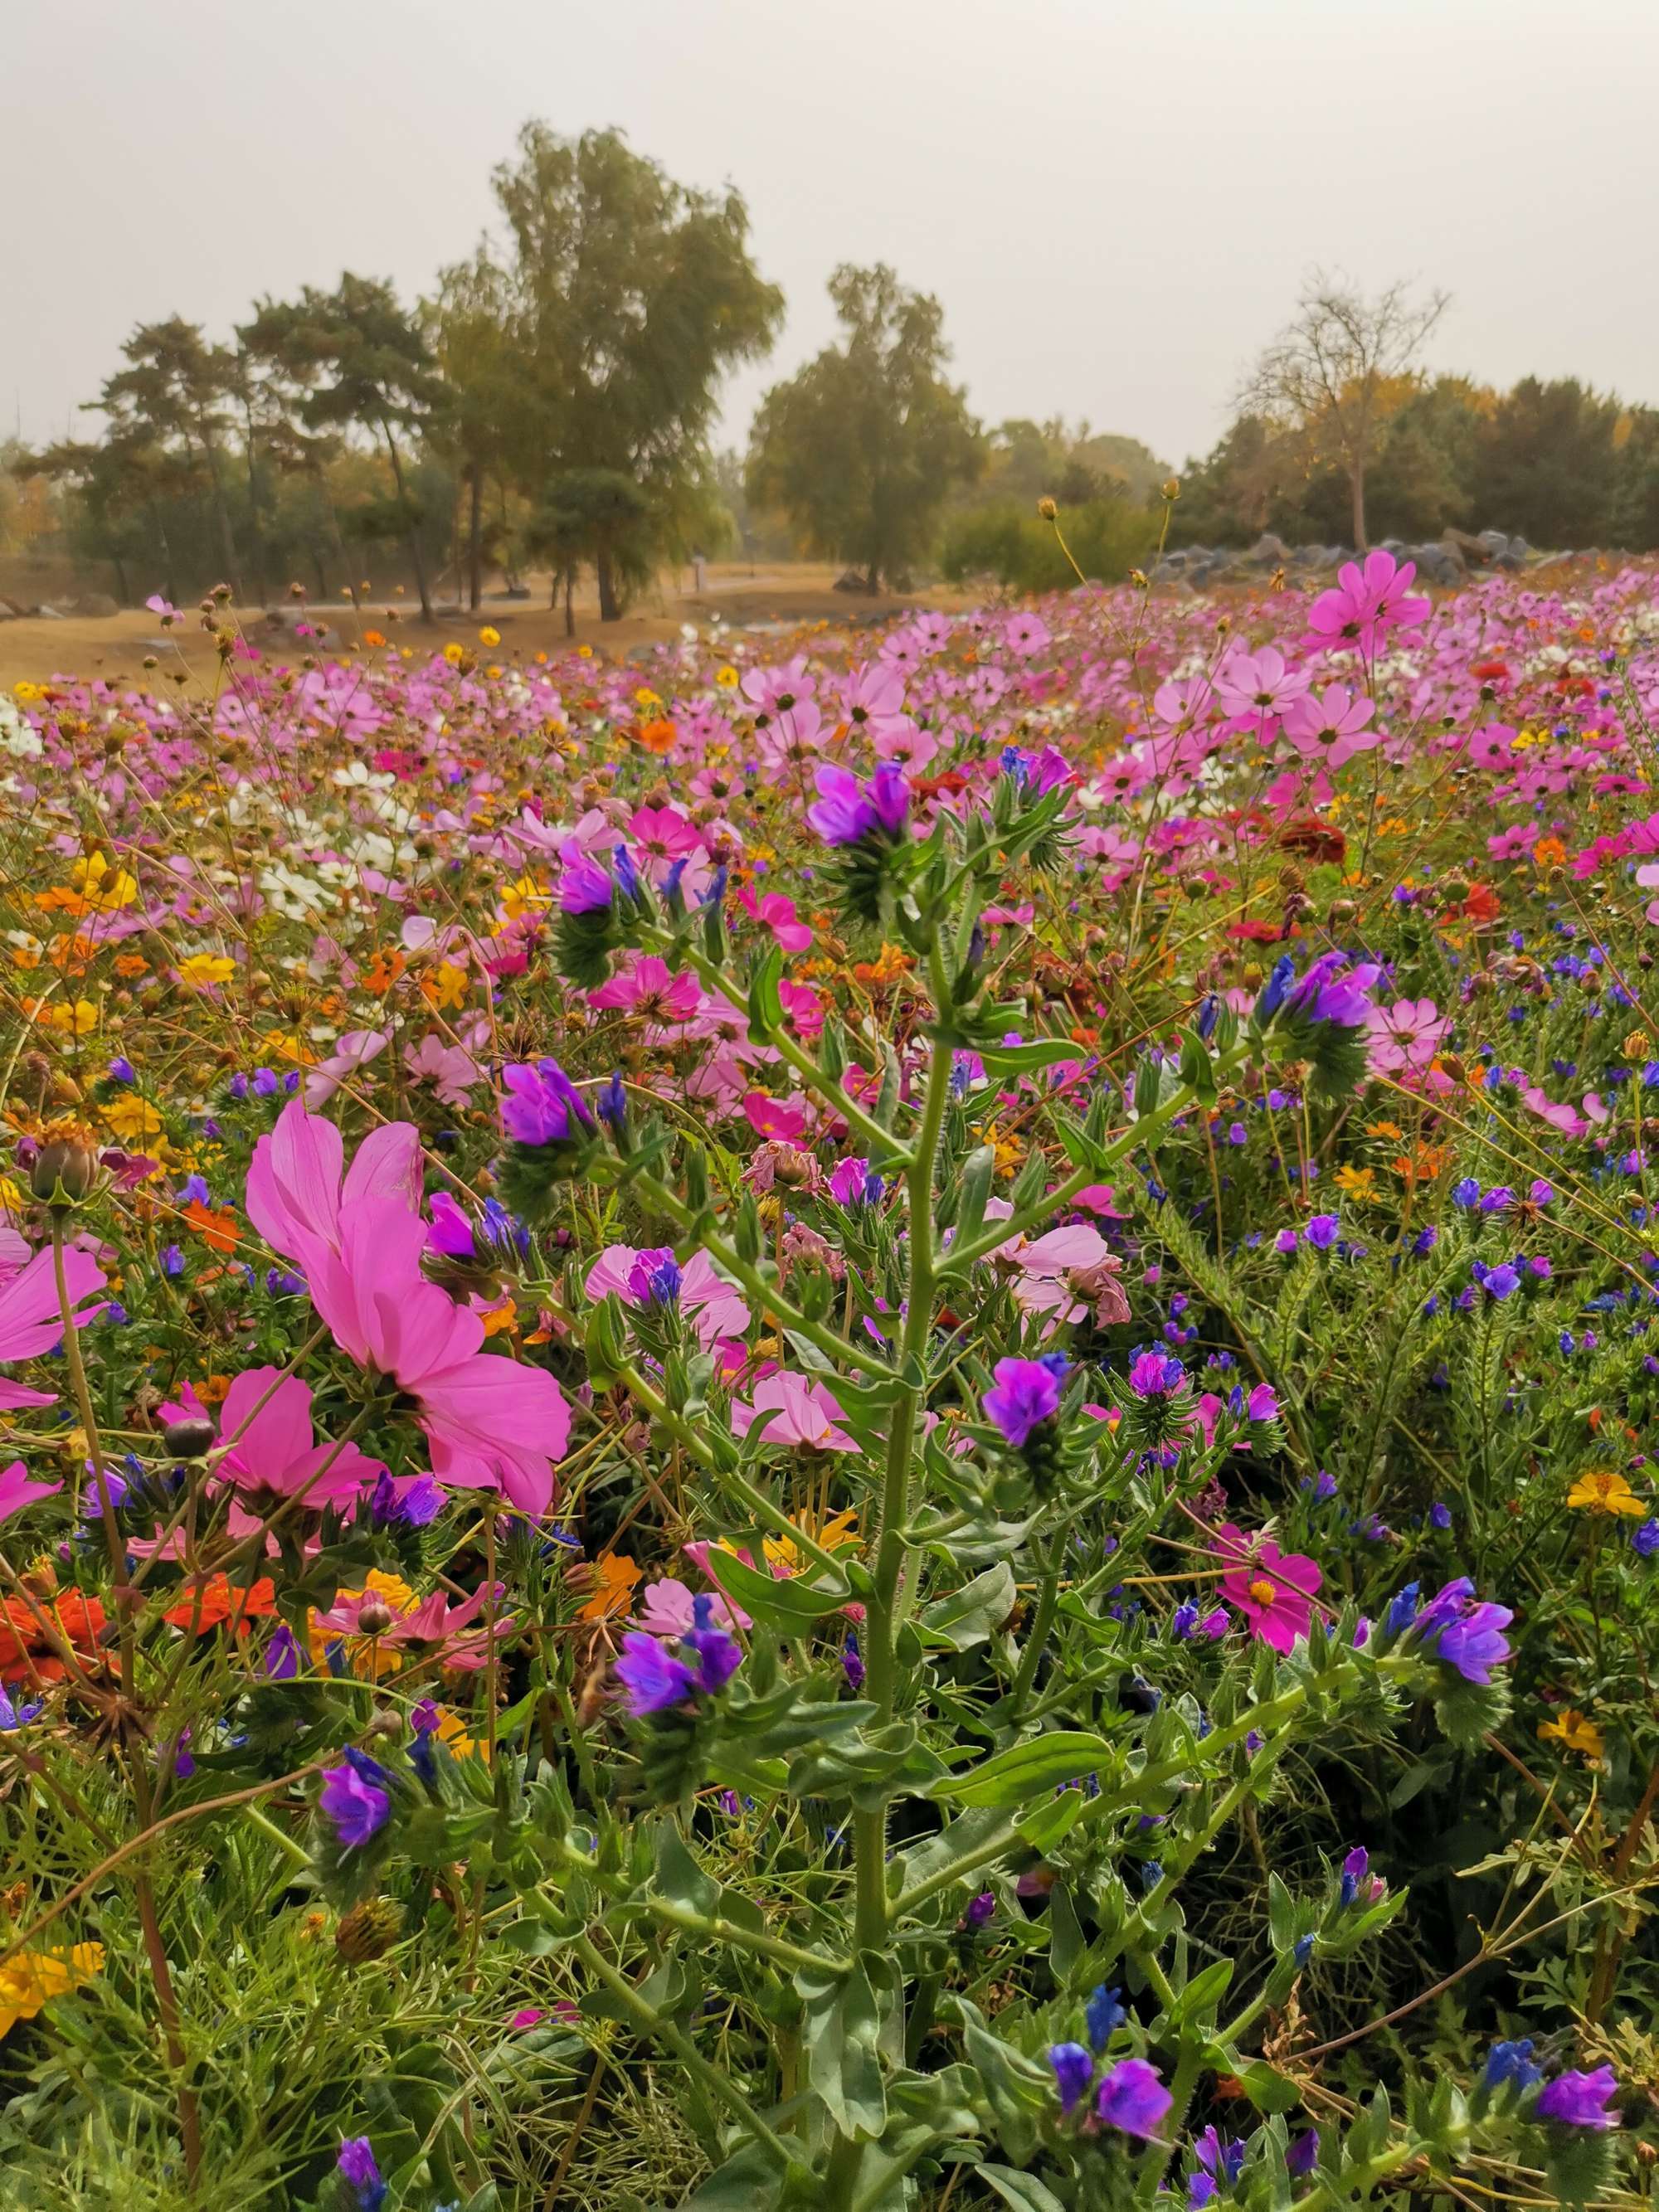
(1435, 565)
(97, 604)
(1472, 549)
(1270, 552)
(853, 579)
(1492, 541)
(1453, 551)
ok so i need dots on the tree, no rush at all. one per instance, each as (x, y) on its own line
(175, 393)
(1549, 464)
(356, 359)
(475, 349)
(861, 446)
(631, 294)
(1330, 375)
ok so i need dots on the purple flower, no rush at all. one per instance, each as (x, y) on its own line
(1157, 1374)
(654, 1278)
(1645, 1539)
(652, 1678)
(450, 1232)
(1327, 994)
(358, 2170)
(716, 1657)
(584, 886)
(1286, 1241)
(1133, 2099)
(845, 813)
(545, 1107)
(121, 1070)
(1580, 2100)
(1303, 2153)
(852, 1663)
(355, 1799)
(1498, 1282)
(1321, 1231)
(1463, 1632)
(852, 1183)
(1026, 1393)
(1221, 2156)
(980, 1909)
(1073, 2071)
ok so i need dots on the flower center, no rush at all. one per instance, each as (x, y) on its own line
(1262, 1592)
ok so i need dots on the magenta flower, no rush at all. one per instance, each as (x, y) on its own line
(17, 1490)
(1132, 2098)
(30, 1322)
(706, 1298)
(1026, 1393)
(1330, 725)
(845, 813)
(296, 1187)
(1580, 2100)
(584, 886)
(776, 912)
(1407, 1035)
(271, 1457)
(1367, 604)
(1259, 684)
(543, 1106)
(645, 987)
(356, 1799)
(1274, 1590)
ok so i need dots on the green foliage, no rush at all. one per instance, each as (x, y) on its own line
(1108, 536)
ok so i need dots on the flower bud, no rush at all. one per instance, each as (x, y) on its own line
(65, 1168)
(191, 1439)
(1048, 508)
(374, 1618)
(368, 1932)
(1171, 488)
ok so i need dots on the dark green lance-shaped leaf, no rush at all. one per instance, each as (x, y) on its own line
(749, 2181)
(1028, 1771)
(791, 1604)
(679, 1878)
(1267, 2089)
(1045, 1824)
(1202, 1994)
(1028, 1059)
(839, 2032)
(1066, 1944)
(1023, 2191)
(1018, 2089)
(868, 1769)
(967, 1616)
(765, 1002)
(973, 1191)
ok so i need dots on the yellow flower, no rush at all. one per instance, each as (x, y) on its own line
(134, 1120)
(202, 969)
(104, 888)
(727, 678)
(1576, 1733)
(646, 697)
(34, 1978)
(1605, 1491)
(79, 1020)
(839, 1530)
(487, 635)
(27, 691)
(525, 896)
(452, 1730)
(445, 985)
(1357, 1182)
(454, 654)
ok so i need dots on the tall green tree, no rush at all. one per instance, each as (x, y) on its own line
(1549, 462)
(862, 446)
(477, 353)
(357, 359)
(632, 295)
(176, 392)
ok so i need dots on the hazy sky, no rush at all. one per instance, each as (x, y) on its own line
(1114, 202)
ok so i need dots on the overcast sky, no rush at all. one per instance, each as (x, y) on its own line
(1115, 200)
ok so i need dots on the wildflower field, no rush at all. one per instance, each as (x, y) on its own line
(859, 1420)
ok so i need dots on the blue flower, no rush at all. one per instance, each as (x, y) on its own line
(1101, 2014)
(1511, 2063)
(1073, 2071)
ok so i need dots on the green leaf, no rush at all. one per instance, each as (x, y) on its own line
(791, 1604)
(840, 2032)
(1028, 1059)
(1267, 2089)
(748, 2182)
(680, 1879)
(765, 1004)
(969, 1615)
(1023, 2191)
(1028, 1771)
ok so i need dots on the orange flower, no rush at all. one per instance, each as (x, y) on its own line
(77, 1621)
(615, 1576)
(387, 966)
(132, 964)
(218, 1229)
(215, 1600)
(657, 737)
(1549, 852)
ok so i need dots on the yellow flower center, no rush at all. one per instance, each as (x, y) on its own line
(1262, 1592)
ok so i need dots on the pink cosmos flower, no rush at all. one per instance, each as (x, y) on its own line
(30, 1323)
(356, 1048)
(294, 1185)
(777, 913)
(773, 690)
(1274, 1590)
(1069, 1273)
(645, 987)
(492, 1422)
(662, 833)
(794, 736)
(668, 1609)
(706, 1299)
(803, 1007)
(433, 1623)
(777, 1117)
(803, 1412)
(1330, 725)
(1260, 684)
(273, 1455)
(17, 1490)
(1407, 1035)
(1366, 604)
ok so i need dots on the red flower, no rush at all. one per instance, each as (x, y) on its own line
(215, 1600)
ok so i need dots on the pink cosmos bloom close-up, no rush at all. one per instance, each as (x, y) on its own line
(803, 1412)
(272, 1453)
(296, 1186)
(1274, 1590)
(356, 1048)
(777, 911)
(1261, 684)
(1407, 1035)
(645, 987)
(434, 1623)
(31, 1322)
(492, 1423)
(1331, 725)
(1366, 604)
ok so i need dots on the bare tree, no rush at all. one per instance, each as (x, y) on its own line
(1326, 376)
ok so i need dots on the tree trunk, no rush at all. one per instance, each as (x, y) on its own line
(610, 606)
(1357, 478)
(257, 539)
(120, 568)
(475, 541)
(569, 600)
(873, 580)
(321, 573)
(411, 538)
(227, 537)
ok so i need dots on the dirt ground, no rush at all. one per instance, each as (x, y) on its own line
(752, 600)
